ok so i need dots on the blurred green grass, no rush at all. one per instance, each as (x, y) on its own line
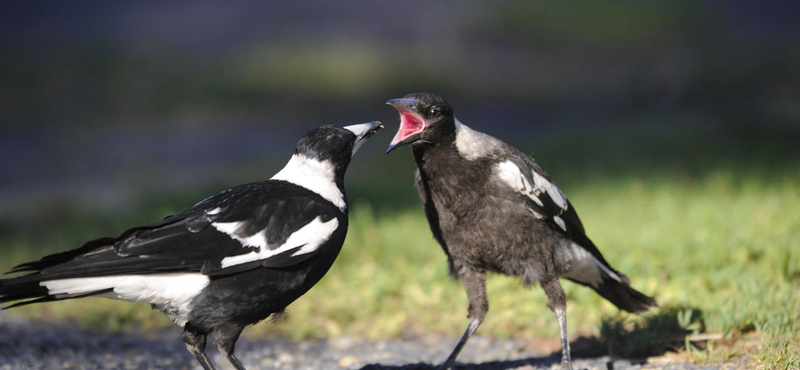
(704, 219)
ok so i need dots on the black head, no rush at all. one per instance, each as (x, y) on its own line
(335, 145)
(424, 118)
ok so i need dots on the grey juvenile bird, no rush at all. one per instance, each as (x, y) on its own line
(493, 209)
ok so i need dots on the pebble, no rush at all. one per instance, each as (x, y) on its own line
(348, 361)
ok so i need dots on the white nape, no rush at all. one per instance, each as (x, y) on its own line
(317, 176)
(305, 240)
(170, 292)
(583, 266)
(472, 144)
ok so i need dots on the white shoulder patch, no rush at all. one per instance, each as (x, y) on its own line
(306, 240)
(314, 175)
(170, 292)
(511, 175)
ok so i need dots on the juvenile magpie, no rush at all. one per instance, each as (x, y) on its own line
(230, 261)
(493, 209)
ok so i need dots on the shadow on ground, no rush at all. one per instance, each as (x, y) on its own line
(42, 345)
(587, 352)
(623, 342)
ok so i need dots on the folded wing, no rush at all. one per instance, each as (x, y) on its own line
(267, 224)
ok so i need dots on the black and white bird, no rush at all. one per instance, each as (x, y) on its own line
(493, 209)
(230, 261)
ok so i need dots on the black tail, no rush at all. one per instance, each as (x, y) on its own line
(623, 296)
(27, 290)
(11, 290)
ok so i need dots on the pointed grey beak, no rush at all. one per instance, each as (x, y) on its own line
(363, 132)
(403, 103)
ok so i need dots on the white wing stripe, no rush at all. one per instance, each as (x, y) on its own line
(258, 240)
(308, 239)
(172, 291)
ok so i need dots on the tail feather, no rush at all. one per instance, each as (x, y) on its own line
(48, 298)
(29, 289)
(58, 258)
(622, 295)
(16, 292)
(27, 292)
(586, 266)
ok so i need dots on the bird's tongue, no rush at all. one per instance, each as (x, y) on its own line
(410, 124)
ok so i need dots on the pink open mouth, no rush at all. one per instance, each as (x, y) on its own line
(410, 124)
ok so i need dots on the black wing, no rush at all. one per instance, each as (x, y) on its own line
(238, 229)
(547, 201)
(550, 205)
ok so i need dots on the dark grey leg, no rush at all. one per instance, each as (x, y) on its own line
(196, 344)
(557, 301)
(566, 360)
(225, 339)
(473, 325)
(475, 284)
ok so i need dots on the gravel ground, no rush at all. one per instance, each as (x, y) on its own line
(41, 346)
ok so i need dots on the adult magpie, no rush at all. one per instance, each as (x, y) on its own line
(230, 261)
(492, 208)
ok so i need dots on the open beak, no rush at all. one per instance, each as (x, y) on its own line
(363, 132)
(411, 122)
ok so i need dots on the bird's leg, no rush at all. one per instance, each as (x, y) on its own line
(557, 301)
(225, 339)
(196, 344)
(475, 284)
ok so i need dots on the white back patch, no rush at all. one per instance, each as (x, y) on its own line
(472, 144)
(308, 239)
(173, 292)
(314, 175)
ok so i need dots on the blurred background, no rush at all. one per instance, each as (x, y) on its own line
(674, 127)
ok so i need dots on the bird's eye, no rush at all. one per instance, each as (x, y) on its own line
(434, 113)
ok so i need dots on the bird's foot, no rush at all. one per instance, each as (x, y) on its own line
(566, 365)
